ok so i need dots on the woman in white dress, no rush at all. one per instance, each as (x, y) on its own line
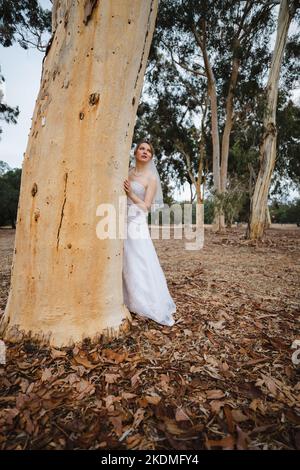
(145, 288)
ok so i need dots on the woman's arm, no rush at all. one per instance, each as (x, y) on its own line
(150, 193)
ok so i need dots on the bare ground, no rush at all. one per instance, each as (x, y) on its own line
(222, 377)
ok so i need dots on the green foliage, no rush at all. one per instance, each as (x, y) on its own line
(245, 141)
(288, 123)
(4, 167)
(175, 91)
(231, 202)
(7, 113)
(24, 21)
(10, 181)
(173, 109)
(288, 213)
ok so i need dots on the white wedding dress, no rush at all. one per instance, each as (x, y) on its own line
(145, 288)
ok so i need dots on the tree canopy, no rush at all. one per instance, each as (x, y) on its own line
(174, 110)
(28, 24)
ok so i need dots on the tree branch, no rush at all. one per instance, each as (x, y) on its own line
(185, 67)
(188, 160)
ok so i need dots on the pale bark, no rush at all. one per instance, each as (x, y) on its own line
(268, 218)
(66, 282)
(212, 94)
(268, 146)
(226, 133)
(228, 123)
(198, 234)
(196, 181)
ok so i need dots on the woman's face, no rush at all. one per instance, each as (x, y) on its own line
(143, 153)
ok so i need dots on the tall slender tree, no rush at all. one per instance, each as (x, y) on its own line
(267, 152)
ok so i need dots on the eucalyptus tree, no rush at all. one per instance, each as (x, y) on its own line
(66, 281)
(268, 146)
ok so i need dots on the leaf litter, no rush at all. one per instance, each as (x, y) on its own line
(225, 376)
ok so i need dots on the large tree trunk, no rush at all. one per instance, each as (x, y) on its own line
(267, 154)
(66, 282)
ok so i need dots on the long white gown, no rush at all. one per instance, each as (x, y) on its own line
(145, 288)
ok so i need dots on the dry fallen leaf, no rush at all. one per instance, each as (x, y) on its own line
(84, 362)
(133, 441)
(242, 439)
(114, 356)
(46, 375)
(128, 395)
(111, 378)
(153, 399)
(227, 443)
(181, 415)
(84, 388)
(215, 394)
(172, 428)
(55, 353)
(239, 417)
(138, 417)
(216, 405)
(116, 421)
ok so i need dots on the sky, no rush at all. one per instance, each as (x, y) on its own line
(22, 71)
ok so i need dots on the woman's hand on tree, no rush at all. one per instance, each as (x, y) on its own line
(127, 187)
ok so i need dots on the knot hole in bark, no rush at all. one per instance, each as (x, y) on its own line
(36, 214)
(94, 99)
(34, 189)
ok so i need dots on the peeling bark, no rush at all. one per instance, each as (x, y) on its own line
(89, 7)
(55, 6)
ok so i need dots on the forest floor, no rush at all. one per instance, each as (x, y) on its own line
(222, 377)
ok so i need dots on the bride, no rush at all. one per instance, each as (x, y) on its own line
(145, 288)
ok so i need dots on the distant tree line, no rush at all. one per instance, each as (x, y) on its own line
(10, 181)
(236, 205)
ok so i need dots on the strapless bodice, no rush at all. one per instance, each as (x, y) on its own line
(138, 189)
(134, 212)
